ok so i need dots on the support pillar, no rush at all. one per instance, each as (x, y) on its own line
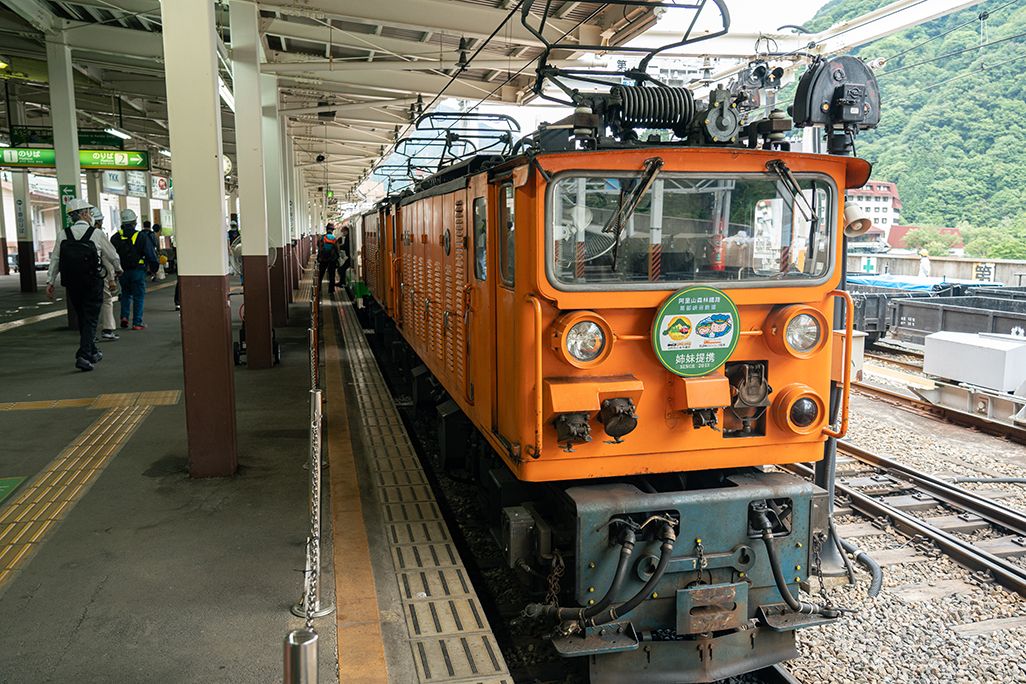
(93, 188)
(23, 229)
(244, 20)
(191, 71)
(3, 230)
(273, 196)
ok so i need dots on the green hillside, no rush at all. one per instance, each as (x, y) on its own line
(952, 133)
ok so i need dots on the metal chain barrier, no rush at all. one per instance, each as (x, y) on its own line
(300, 647)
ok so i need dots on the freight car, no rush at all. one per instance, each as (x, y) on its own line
(639, 326)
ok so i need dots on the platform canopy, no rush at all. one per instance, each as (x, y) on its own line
(366, 61)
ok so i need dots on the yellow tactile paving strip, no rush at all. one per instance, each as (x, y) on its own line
(41, 505)
(104, 401)
(449, 636)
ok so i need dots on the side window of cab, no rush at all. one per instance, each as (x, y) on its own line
(507, 256)
(480, 238)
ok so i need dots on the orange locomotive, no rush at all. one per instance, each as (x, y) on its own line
(644, 327)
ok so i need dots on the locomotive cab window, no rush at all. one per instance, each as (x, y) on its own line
(507, 255)
(687, 229)
(480, 238)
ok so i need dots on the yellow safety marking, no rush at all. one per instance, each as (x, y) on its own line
(361, 650)
(38, 509)
(104, 401)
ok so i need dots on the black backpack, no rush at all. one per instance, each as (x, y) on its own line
(80, 264)
(129, 252)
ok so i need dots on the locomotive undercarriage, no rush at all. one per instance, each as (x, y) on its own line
(667, 576)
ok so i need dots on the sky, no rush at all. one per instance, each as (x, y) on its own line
(757, 15)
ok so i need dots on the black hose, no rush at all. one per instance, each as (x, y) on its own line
(840, 549)
(548, 610)
(626, 549)
(763, 522)
(665, 551)
(876, 583)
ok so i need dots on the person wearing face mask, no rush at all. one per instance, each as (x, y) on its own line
(78, 258)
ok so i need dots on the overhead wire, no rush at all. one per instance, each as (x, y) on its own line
(971, 71)
(980, 16)
(953, 53)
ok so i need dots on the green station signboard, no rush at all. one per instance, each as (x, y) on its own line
(42, 158)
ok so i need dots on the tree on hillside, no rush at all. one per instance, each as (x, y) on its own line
(931, 239)
(1006, 241)
(949, 133)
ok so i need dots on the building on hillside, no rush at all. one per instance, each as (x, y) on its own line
(882, 204)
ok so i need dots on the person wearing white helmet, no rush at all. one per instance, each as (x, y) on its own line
(108, 326)
(137, 259)
(78, 258)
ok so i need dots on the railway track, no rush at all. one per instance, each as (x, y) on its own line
(921, 505)
(916, 366)
(925, 408)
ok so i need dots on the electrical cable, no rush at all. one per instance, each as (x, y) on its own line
(971, 71)
(953, 53)
(949, 31)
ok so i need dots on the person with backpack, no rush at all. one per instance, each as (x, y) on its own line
(137, 258)
(327, 257)
(78, 257)
(343, 256)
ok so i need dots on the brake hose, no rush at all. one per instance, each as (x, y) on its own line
(665, 551)
(760, 516)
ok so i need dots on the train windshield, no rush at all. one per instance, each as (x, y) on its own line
(631, 232)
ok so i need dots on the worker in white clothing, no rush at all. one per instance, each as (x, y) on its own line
(108, 326)
(78, 257)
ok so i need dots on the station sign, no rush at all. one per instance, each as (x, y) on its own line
(43, 135)
(136, 184)
(46, 158)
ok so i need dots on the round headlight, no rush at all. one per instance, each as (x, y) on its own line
(803, 333)
(804, 412)
(585, 341)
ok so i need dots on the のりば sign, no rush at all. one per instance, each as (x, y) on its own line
(695, 331)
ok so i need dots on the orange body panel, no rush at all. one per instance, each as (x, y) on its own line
(491, 345)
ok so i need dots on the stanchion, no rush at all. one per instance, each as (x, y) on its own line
(301, 657)
(310, 605)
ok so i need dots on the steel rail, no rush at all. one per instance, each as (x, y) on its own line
(951, 415)
(883, 358)
(947, 492)
(1006, 574)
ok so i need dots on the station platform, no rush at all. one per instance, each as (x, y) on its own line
(115, 564)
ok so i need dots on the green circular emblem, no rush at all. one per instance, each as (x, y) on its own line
(695, 331)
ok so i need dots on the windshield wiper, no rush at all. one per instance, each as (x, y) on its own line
(789, 182)
(629, 203)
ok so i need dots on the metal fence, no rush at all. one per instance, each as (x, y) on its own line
(300, 648)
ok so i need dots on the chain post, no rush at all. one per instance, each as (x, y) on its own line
(301, 657)
(310, 605)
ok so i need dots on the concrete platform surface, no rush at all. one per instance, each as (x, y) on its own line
(115, 566)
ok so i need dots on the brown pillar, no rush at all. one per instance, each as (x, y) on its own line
(286, 263)
(279, 298)
(3, 255)
(27, 266)
(296, 264)
(256, 295)
(209, 375)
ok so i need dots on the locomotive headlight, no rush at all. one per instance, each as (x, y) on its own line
(798, 330)
(585, 341)
(582, 338)
(803, 333)
(799, 409)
